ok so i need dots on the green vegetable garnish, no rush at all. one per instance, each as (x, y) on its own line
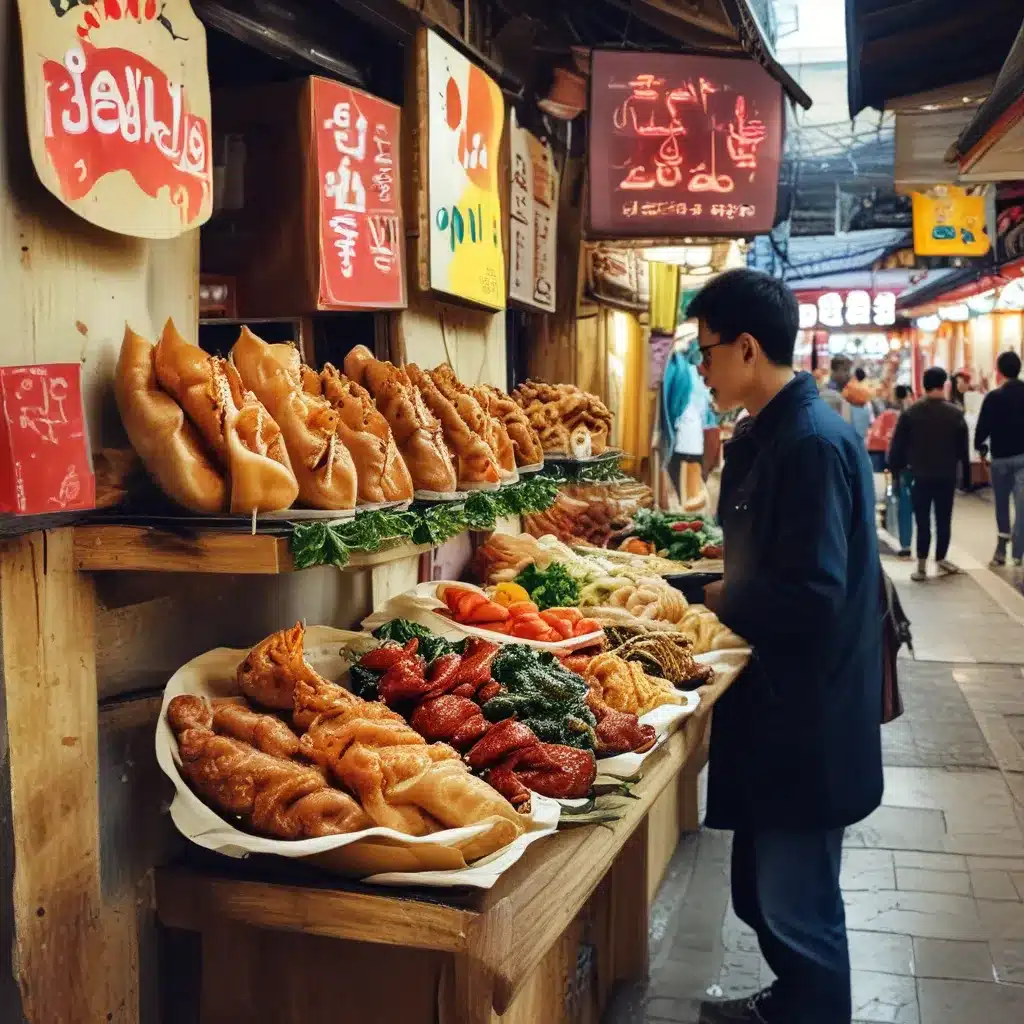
(431, 646)
(550, 588)
(542, 694)
(326, 543)
(656, 527)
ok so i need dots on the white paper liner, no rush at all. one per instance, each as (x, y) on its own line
(535, 468)
(483, 485)
(421, 605)
(302, 515)
(420, 495)
(213, 675)
(398, 506)
(608, 453)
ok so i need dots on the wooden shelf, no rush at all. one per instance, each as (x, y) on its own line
(522, 916)
(141, 549)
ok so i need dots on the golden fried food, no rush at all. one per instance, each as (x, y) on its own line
(271, 795)
(268, 733)
(626, 687)
(271, 669)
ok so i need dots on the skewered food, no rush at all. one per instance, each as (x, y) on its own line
(380, 469)
(323, 464)
(417, 433)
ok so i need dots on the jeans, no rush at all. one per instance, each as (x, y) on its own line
(937, 493)
(1007, 481)
(905, 509)
(785, 885)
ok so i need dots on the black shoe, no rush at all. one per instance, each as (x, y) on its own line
(748, 1010)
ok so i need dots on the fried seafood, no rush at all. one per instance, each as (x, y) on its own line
(665, 655)
(626, 687)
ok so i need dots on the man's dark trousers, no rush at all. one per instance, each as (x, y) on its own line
(926, 495)
(785, 885)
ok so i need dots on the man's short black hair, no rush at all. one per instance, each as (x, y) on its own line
(935, 377)
(902, 392)
(859, 373)
(748, 301)
(1008, 364)
(840, 363)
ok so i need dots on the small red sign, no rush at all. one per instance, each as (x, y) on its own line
(108, 109)
(44, 451)
(682, 145)
(362, 243)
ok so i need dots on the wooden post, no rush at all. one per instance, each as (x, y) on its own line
(70, 954)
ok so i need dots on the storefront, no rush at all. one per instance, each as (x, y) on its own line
(291, 211)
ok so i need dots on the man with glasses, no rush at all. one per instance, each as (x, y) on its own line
(795, 742)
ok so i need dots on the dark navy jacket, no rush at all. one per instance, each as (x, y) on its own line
(796, 742)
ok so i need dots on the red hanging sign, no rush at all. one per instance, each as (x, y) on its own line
(682, 145)
(362, 243)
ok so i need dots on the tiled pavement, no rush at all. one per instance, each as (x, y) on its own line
(934, 880)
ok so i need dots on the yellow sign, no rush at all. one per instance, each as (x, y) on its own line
(465, 120)
(948, 222)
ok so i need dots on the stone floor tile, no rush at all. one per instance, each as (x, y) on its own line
(1002, 920)
(1010, 864)
(677, 1011)
(884, 998)
(901, 828)
(958, 883)
(965, 1002)
(942, 958)
(881, 953)
(1008, 961)
(929, 861)
(1018, 881)
(867, 869)
(993, 885)
(924, 915)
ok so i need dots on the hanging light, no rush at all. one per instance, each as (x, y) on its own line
(699, 256)
(983, 303)
(927, 323)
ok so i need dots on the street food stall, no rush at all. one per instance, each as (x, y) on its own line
(274, 287)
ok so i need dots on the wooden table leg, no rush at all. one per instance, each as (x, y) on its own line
(628, 921)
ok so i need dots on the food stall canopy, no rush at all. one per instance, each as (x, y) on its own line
(991, 146)
(947, 288)
(899, 47)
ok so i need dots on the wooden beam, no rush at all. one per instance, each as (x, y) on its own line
(73, 957)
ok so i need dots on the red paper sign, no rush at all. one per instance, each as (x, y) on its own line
(108, 109)
(362, 244)
(682, 145)
(44, 452)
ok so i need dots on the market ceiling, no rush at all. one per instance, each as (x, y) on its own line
(902, 47)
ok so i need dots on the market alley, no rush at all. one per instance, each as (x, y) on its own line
(934, 880)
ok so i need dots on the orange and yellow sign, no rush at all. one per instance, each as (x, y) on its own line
(465, 120)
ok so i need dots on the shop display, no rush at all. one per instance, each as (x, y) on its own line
(323, 463)
(342, 765)
(417, 433)
(465, 426)
(568, 421)
(666, 655)
(645, 598)
(681, 536)
(522, 620)
(525, 440)
(625, 686)
(222, 458)
(382, 473)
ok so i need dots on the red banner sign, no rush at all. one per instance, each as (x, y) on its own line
(44, 453)
(362, 244)
(118, 105)
(682, 145)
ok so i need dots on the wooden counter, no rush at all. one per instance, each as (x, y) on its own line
(579, 897)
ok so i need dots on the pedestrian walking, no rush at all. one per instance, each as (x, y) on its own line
(1001, 422)
(841, 369)
(795, 742)
(878, 441)
(931, 440)
(860, 412)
